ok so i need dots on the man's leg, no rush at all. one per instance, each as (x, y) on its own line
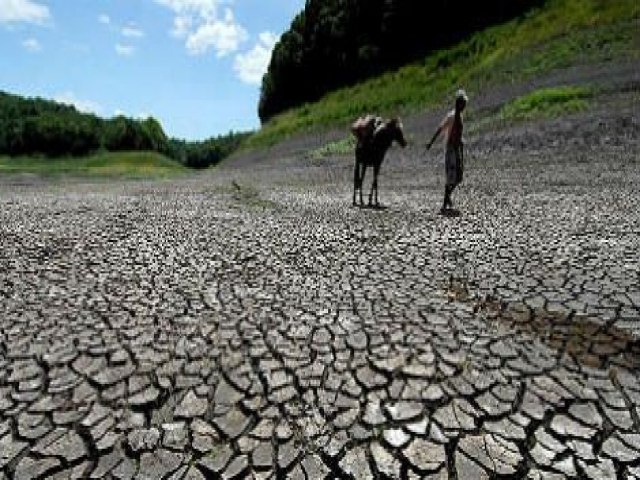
(450, 175)
(447, 201)
(451, 189)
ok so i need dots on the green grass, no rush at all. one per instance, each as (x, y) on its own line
(339, 147)
(100, 165)
(562, 33)
(544, 103)
(547, 102)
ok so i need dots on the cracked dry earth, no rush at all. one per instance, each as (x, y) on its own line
(251, 324)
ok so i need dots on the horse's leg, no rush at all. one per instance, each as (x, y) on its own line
(362, 173)
(356, 179)
(376, 171)
(374, 183)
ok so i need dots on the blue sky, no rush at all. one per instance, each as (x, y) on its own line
(195, 65)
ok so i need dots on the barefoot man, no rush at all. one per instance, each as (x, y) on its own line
(453, 159)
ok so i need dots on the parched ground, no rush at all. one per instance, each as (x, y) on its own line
(251, 323)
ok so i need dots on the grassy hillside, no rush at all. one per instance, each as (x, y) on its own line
(101, 165)
(560, 34)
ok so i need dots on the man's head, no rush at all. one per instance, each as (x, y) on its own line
(461, 100)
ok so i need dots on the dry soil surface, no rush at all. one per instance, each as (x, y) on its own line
(251, 323)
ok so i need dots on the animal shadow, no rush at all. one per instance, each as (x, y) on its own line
(379, 208)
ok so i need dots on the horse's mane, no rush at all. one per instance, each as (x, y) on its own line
(385, 124)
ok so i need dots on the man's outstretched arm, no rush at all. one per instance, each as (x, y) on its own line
(435, 136)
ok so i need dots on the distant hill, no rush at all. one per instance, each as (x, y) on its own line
(334, 43)
(35, 126)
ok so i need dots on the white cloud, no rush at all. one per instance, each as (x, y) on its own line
(182, 26)
(104, 19)
(203, 27)
(124, 50)
(225, 36)
(23, 11)
(131, 31)
(204, 8)
(32, 45)
(252, 65)
(86, 106)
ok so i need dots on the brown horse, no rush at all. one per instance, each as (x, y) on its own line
(371, 152)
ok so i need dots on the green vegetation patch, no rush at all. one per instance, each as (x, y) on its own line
(339, 147)
(101, 165)
(547, 102)
(559, 34)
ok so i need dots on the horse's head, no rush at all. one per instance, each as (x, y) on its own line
(396, 130)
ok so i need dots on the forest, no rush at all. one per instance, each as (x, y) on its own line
(335, 43)
(35, 126)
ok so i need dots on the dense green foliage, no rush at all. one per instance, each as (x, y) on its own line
(334, 43)
(206, 153)
(34, 126)
(558, 35)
